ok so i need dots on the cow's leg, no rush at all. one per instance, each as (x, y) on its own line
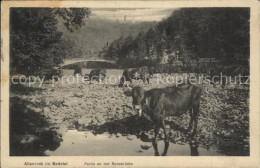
(148, 80)
(191, 120)
(194, 150)
(143, 79)
(122, 81)
(131, 82)
(195, 116)
(155, 146)
(166, 140)
(224, 82)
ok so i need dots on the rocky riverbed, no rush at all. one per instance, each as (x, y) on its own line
(40, 116)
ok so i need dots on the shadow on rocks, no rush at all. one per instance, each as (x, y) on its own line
(133, 125)
(30, 133)
(23, 89)
(128, 93)
(128, 126)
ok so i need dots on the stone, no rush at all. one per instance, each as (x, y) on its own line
(146, 147)
(84, 121)
(44, 129)
(32, 108)
(130, 137)
(100, 119)
(28, 139)
(79, 94)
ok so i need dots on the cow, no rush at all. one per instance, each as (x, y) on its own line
(137, 73)
(96, 74)
(77, 70)
(159, 103)
(151, 71)
(53, 73)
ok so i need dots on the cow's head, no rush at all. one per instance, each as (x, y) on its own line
(138, 99)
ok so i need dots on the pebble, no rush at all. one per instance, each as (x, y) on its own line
(46, 110)
(146, 147)
(130, 137)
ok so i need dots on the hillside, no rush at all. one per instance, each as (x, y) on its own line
(221, 33)
(96, 33)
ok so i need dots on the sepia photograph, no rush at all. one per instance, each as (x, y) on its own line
(129, 81)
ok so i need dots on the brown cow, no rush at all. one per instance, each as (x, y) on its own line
(138, 73)
(96, 74)
(157, 104)
(78, 70)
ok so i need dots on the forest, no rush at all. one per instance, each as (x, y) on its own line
(41, 38)
(36, 45)
(189, 34)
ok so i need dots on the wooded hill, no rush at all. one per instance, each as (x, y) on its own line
(91, 37)
(41, 38)
(189, 33)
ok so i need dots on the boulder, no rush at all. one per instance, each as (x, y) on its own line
(84, 121)
(130, 137)
(79, 94)
(32, 108)
(118, 135)
(146, 147)
(100, 119)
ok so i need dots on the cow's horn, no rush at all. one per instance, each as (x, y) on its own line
(131, 85)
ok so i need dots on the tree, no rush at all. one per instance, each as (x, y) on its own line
(36, 45)
(193, 33)
(114, 50)
(150, 41)
(73, 18)
(127, 47)
(139, 46)
(161, 45)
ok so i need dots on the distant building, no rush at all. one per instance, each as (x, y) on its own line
(204, 62)
(175, 56)
(165, 59)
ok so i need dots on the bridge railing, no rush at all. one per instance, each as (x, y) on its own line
(90, 64)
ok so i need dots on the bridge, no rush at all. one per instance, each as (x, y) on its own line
(89, 63)
(74, 61)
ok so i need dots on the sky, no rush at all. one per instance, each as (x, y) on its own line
(131, 14)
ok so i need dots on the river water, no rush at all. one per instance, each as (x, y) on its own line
(85, 143)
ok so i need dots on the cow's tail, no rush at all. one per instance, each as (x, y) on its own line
(123, 78)
(122, 81)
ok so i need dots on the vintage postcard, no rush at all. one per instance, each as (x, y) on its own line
(130, 84)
